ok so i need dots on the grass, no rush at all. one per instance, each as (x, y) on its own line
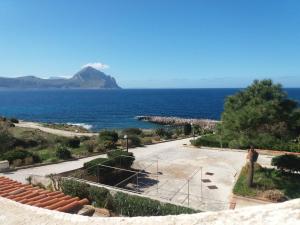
(268, 179)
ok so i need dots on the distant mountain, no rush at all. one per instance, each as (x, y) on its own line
(87, 78)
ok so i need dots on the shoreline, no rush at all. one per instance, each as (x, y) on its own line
(172, 120)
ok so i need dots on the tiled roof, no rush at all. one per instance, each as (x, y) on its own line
(27, 194)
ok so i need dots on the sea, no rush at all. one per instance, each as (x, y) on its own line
(115, 109)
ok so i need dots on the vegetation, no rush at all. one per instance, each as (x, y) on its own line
(187, 129)
(121, 203)
(62, 152)
(261, 115)
(108, 139)
(19, 154)
(132, 131)
(268, 183)
(133, 205)
(73, 142)
(210, 140)
(286, 162)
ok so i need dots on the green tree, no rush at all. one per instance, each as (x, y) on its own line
(259, 115)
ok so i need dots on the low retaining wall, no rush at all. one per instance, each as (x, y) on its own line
(4, 166)
(14, 213)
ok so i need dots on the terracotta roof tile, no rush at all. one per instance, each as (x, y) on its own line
(27, 194)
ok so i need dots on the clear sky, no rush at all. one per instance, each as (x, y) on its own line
(154, 43)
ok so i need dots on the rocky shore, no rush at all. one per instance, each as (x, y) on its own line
(164, 120)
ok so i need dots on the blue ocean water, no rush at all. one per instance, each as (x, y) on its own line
(115, 108)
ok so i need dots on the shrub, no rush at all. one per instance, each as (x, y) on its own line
(132, 131)
(14, 120)
(105, 145)
(134, 141)
(91, 166)
(209, 140)
(166, 134)
(114, 159)
(100, 197)
(36, 158)
(108, 135)
(121, 158)
(287, 162)
(16, 154)
(73, 142)
(90, 145)
(146, 140)
(187, 129)
(75, 188)
(130, 205)
(160, 131)
(274, 195)
(63, 152)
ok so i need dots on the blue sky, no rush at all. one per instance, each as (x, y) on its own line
(154, 43)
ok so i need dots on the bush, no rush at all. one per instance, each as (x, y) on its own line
(130, 205)
(166, 134)
(134, 141)
(14, 120)
(114, 159)
(146, 140)
(121, 158)
(187, 129)
(209, 140)
(108, 136)
(91, 166)
(75, 188)
(160, 131)
(100, 197)
(104, 145)
(274, 195)
(73, 142)
(36, 158)
(90, 145)
(63, 152)
(16, 154)
(287, 162)
(132, 131)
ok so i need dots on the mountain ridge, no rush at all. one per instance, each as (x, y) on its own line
(86, 78)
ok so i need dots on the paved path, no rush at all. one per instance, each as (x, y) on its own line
(22, 174)
(52, 130)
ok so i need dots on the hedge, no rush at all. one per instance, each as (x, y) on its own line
(209, 140)
(122, 203)
(133, 205)
(260, 142)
